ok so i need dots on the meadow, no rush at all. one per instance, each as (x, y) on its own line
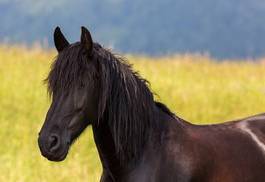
(197, 88)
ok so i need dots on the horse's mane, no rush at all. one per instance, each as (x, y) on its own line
(126, 102)
(69, 70)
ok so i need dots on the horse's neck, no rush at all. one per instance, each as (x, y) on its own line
(106, 149)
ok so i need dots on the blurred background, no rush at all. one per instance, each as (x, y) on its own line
(204, 60)
(221, 28)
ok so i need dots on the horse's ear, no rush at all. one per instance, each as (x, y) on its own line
(86, 39)
(60, 41)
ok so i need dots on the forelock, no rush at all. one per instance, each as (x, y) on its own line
(69, 70)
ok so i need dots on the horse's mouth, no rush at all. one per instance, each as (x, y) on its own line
(56, 157)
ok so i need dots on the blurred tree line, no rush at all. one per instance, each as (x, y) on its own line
(221, 28)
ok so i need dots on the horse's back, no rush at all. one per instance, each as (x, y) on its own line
(254, 128)
(232, 151)
(255, 118)
(235, 150)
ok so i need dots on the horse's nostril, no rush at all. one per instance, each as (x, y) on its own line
(54, 142)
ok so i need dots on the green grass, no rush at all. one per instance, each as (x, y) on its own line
(195, 88)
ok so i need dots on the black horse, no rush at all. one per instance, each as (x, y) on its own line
(139, 139)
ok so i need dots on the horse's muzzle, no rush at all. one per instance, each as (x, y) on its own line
(52, 147)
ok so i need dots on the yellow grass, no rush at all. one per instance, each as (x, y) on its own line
(194, 87)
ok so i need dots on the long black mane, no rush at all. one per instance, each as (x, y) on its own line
(126, 102)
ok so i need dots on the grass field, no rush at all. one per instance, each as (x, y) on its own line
(194, 87)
